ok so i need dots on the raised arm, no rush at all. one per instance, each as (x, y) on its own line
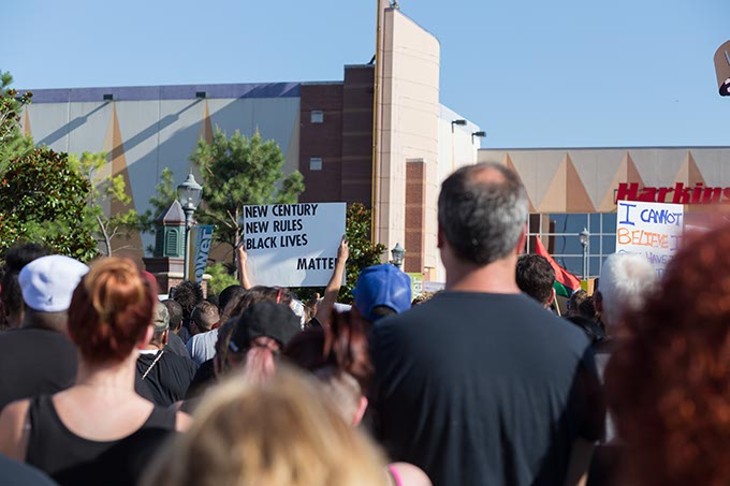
(241, 259)
(324, 309)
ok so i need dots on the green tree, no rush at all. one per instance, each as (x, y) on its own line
(237, 171)
(43, 199)
(165, 194)
(106, 190)
(13, 143)
(363, 253)
(220, 278)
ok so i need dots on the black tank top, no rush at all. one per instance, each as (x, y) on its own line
(53, 448)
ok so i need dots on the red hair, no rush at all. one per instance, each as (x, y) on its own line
(111, 310)
(668, 382)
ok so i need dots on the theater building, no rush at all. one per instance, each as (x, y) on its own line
(571, 189)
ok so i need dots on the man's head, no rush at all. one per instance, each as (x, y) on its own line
(47, 284)
(535, 277)
(161, 324)
(581, 304)
(382, 290)
(482, 211)
(205, 315)
(176, 314)
(16, 257)
(626, 282)
(188, 295)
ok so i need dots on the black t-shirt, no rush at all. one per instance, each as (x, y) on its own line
(176, 345)
(479, 388)
(204, 377)
(168, 378)
(34, 362)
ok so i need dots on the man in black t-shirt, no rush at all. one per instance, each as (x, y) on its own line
(162, 376)
(480, 385)
(39, 358)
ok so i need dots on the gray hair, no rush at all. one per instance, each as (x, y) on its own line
(626, 281)
(482, 220)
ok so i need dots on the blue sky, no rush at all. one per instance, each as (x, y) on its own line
(532, 73)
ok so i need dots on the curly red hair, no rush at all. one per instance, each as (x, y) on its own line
(111, 310)
(668, 383)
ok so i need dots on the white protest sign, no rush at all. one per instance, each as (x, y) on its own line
(293, 245)
(650, 229)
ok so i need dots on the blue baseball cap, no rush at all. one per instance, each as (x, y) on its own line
(382, 286)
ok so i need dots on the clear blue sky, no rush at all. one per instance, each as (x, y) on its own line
(532, 73)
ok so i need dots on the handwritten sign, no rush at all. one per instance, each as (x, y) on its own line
(293, 245)
(650, 229)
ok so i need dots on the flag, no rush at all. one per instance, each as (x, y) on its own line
(565, 282)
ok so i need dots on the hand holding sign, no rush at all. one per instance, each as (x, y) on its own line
(293, 245)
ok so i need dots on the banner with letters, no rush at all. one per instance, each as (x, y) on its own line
(650, 229)
(202, 241)
(293, 245)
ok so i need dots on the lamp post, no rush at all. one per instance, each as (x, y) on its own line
(398, 253)
(459, 122)
(188, 193)
(584, 237)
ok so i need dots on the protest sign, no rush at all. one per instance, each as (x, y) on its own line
(293, 245)
(202, 239)
(649, 229)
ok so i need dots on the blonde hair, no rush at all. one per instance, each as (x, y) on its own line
(279, 432)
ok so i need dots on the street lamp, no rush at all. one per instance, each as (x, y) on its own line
(188, 193)
(460, 122)
(584, 237)
(398, 253)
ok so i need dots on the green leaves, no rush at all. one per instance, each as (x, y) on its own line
(363, 253)
(43, 199)
(237, 171)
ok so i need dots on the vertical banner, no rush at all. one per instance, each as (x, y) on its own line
(649, 229)
(202, 240)
(293, 245)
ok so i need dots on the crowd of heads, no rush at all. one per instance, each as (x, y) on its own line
(284, 395)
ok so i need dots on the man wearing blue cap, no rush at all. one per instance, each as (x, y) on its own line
(381, 291)
(480, 385)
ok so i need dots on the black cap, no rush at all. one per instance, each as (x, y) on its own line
(276, 321)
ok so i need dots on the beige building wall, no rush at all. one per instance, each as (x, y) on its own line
(586, 180)
(407, 127)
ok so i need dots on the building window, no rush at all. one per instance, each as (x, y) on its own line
(317, 116)
(560, 233)
(315, 163)
(171, 243)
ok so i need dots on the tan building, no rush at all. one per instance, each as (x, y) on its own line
(571, 189)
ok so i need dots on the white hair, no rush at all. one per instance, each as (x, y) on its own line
(626, 281)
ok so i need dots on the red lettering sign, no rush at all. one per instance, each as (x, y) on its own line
(679, 194)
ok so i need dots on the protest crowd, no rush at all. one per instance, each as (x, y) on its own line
(483, 383)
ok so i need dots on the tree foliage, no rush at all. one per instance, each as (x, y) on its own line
(220, 278)
(13, 143)
(44, 200)
(105, 191)
(165, 195)
(237, 171)
(363, 253)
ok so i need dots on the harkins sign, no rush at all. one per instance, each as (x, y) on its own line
(679, 194)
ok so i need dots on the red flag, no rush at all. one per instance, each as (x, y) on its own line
(565, 282)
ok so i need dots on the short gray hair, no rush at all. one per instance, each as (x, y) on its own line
(626, 281)
(482, 220)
